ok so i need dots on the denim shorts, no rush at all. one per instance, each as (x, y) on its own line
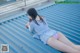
(47, 35)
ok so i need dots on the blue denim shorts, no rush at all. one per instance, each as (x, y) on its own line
(47, 35)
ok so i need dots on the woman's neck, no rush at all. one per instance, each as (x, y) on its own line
(37, 18)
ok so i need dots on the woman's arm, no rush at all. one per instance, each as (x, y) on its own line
(30, 26)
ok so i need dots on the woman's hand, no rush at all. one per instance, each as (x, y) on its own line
(27, 25)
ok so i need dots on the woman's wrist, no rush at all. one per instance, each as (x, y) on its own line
(28, 25)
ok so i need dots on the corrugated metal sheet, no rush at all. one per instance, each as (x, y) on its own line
(73, 0)
(61, 17)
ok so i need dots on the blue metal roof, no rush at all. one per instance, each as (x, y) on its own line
(73, 0)
(62, 17)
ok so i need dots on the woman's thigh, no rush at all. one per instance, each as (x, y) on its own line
(59, 45)
(64, 39)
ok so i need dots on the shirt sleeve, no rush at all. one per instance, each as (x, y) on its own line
(31, 28)
(36, 36)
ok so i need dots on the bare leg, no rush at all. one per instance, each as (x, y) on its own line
(78, 47)
(63, 39)
(61, 46)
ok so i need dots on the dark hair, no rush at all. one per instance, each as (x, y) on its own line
(33, 13)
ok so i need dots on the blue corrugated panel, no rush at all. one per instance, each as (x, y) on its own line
(62, 17)
(73, 0)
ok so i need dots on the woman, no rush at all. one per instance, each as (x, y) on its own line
(48, 36)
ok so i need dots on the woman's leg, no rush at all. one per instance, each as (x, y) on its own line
(63, 39)
(61, 46)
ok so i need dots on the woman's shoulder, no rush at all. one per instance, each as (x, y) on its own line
(42, 16)
(32, 22)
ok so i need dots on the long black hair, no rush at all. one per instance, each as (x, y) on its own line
(33, 13)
